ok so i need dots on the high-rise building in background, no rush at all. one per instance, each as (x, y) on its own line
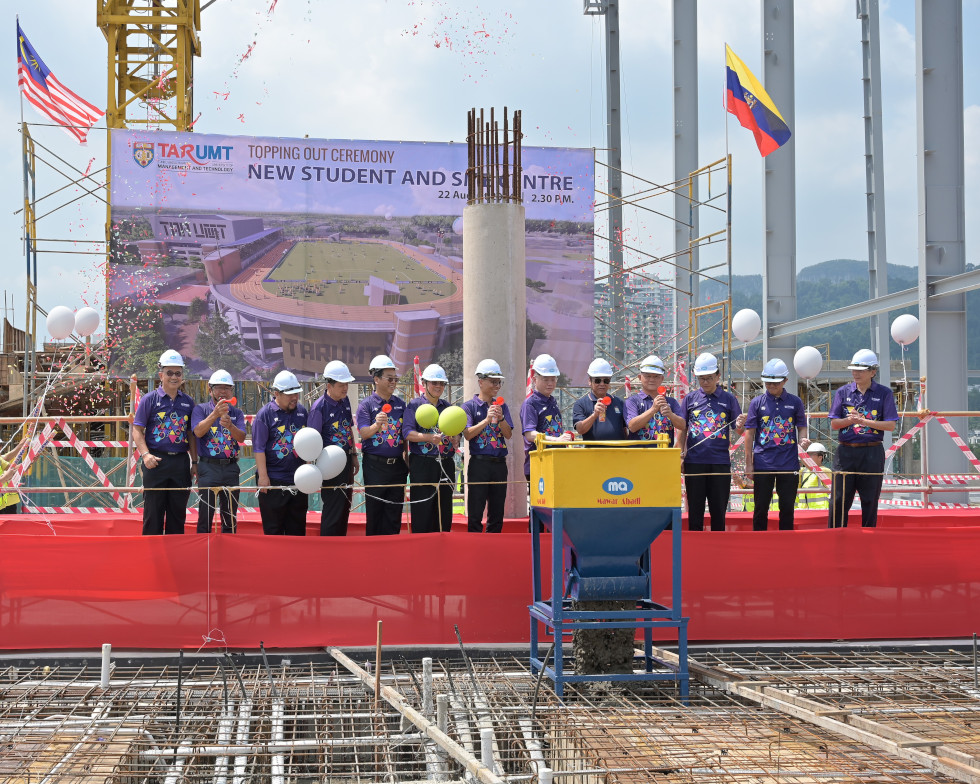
(649, 322)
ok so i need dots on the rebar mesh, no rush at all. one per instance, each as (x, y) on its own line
(316, 721)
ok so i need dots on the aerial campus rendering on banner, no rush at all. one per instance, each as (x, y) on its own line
(613, 361)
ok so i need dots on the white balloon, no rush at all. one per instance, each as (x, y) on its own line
(308, 479)
(458, 226)
(746, 325)
(808, 362)
(307, 443)
(905, 329)
(86, 321)
(61, 321)
(332, 461)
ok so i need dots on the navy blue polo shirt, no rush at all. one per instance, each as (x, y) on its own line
(613, 429)
(166, 420)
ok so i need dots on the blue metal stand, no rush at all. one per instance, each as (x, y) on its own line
(605, 555)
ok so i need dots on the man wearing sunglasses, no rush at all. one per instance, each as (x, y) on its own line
(593, 419)
(161, 434)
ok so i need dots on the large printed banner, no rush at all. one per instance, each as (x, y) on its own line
(255, 254)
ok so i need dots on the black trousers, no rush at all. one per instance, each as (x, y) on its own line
(383, 505)
(786, 486)
(869, 464)
(337, 501)
(432, 507)
(482, 496)
(711, 483)
(12, 509)
(217, 475)
(283, 512)
(165, 511)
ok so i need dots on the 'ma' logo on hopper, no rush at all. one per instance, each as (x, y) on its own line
(617, 485)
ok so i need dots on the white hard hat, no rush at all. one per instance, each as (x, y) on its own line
(381, 362)
(653, 364)
(599, 368)
(171, 358)
(434, 373)
(488, 368)
(545, 365)
(221, 377)
(816, 446)
(705, 365)
(775, 370)
(287, 383)
(337, 371)
(864, 359)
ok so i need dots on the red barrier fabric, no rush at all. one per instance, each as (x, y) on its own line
(193, 591)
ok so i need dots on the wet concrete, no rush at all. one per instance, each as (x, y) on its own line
(600, 651)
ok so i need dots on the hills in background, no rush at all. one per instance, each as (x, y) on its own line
(834, 284)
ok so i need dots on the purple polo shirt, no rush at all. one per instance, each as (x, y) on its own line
(708, 418)
(218, 441)
(775, 420)
(659, 423)
(489, 441)
(445, 449)
(542, 414)
(272, 432)
(388, 441)
(167, 421)
(334, 421)
(877, 404)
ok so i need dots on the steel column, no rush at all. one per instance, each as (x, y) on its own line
(875, 177)
(614, 157)
(685, 73)
(779, 186)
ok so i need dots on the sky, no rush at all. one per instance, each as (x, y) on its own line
(411, 69)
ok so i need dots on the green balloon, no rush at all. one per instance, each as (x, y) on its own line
(426, 415)
(452, 420)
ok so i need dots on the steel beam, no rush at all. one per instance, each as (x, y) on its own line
(937, 289)
(779, 187)
(685, 72)
(939, 120)
(614, 157)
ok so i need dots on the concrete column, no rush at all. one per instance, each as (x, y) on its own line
(495, 313)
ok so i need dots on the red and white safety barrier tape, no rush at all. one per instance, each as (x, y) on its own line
(92, 444)
(89, 460)
(967, 452)
(32, 452)
(936, 479)
(915, 429)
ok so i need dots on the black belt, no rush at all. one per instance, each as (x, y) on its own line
(489, 458)
(219, 460)
(167, 454)
(385, 460)
(861, 444)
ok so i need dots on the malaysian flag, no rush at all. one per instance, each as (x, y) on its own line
(681, 387)
(530, 381)
(49, 96)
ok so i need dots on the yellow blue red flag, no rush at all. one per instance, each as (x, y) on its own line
(748, 100)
